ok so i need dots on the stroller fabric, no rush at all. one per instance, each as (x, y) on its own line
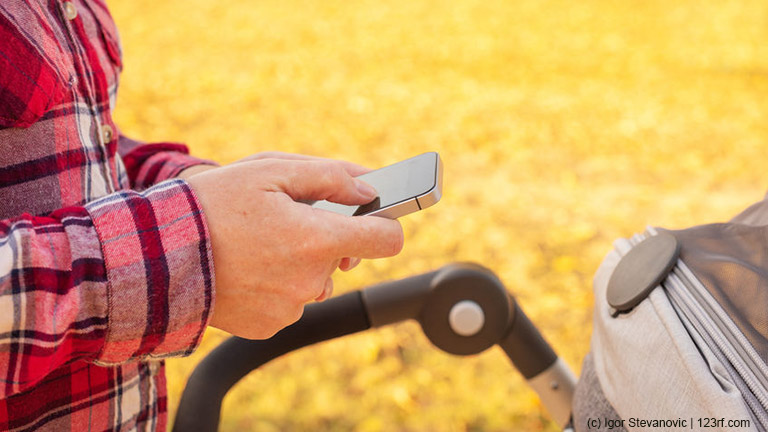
(692, 355)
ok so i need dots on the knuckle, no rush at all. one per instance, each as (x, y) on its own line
(271, 167)
(265, 328)
(300, 293)
(334, 174)
(264, 333)
(312, 286)
(313, 245)
(296, 313)
(293, 293)
(265, 155)
(325, 245)
(316, 239)
(302, 250)
(313, 290)
(290, 311)
(291, 169)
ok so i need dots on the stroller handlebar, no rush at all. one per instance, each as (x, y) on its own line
(462, 308)
(223, 367)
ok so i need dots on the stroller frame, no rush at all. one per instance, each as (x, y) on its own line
(463, 309)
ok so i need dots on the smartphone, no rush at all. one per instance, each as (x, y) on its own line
(403, 188)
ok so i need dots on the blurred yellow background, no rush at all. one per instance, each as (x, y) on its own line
(562, 125)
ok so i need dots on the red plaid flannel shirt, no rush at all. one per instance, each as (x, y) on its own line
(105, 268)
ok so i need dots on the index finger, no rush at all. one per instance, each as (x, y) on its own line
(350, 167)
(365, 236)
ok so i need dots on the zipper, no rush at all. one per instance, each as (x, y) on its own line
(708, 335)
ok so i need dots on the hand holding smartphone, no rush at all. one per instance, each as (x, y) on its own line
(403, 188)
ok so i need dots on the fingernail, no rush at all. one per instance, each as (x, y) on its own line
(348, 263)
(344, 264)
(353, 263)
(365, 189)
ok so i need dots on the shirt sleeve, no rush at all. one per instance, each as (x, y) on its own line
(127, 277)
(149, 164)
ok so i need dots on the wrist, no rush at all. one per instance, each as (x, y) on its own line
(194, 169)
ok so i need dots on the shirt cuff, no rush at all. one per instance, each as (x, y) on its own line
(159, 264)
(165, 165)
(149, 164)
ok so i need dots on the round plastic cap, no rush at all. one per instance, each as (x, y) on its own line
(466, 318)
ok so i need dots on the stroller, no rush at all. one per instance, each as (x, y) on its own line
(680, 338)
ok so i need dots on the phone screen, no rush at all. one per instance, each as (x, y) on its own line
(395, 183)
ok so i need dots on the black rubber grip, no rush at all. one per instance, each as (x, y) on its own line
(200, 404)
(526, 347)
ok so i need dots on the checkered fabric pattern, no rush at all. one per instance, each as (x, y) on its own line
(105, 259)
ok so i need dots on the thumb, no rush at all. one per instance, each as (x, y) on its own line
(324, 180)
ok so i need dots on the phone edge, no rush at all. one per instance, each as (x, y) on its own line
(416, 203)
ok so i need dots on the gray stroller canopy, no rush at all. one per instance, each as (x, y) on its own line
(691, 353)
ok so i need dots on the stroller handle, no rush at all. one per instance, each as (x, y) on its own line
(462, 308)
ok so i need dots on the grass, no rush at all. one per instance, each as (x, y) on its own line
(563, 125)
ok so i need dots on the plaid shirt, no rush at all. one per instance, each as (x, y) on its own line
(105, 268)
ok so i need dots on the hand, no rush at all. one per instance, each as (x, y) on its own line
(346, 263)
(273, 254)
(186, 173)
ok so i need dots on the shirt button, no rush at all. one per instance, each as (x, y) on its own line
(107, 133)
(70, 11)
